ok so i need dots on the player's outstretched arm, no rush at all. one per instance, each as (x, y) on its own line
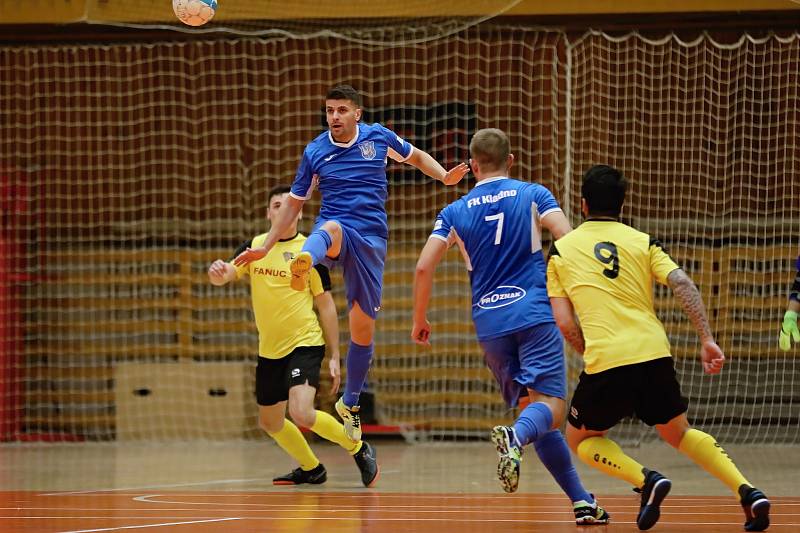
(221, 272)
(564, 314)
(287, 214)
(692, 303)
(430, 167)
(429, 258)
(330, 329)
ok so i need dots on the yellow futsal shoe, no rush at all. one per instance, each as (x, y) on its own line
(351, 420)
(300, 267)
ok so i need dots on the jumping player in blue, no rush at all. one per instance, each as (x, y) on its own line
(348, 164)
(497, 226)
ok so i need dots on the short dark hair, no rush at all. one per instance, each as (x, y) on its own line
(277, 190)
(490, 148)
(344, 92)
(604, 190)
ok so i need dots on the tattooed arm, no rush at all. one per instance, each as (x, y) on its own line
(689, 297)
(691, 302)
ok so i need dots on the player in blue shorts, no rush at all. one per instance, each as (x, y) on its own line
(497, 226)
(348, 164)
(789, 330)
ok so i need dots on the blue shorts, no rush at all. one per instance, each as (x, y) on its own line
(361, 258)
(532, 358)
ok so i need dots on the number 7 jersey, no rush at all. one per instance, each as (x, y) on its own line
(607, 270)
(496, 226)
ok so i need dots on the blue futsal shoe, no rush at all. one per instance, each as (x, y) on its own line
(655, 489)
(756, 508)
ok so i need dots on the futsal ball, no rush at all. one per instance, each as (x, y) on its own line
(194, 12)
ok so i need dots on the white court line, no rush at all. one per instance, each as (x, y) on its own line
(149, 487)
(173, 485)
(348, 493)
(269, 508)
(359, 519)
(407, 519)
(148, 498)
(149, 525)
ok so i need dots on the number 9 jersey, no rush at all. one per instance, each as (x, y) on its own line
(496, 226)
(607, 270)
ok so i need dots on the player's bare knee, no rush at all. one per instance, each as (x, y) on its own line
(672, 433)
(334, 229)
(269, 425)
(362, 337)
(558, 411)
(573, 438)
(556, 405)
(302, 415)
(362, 326)
(271, 417)
(669, 438)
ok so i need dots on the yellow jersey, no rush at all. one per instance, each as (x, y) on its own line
(285, 318)
(607, 269)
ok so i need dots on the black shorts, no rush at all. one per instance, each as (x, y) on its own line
(648, 390)
(274, 377)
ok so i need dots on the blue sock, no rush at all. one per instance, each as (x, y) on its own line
(533, 421)
(554, 454)
(358, 359)
(317, 244)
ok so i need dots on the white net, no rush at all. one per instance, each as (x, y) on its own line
(126, 169)
(142, 175)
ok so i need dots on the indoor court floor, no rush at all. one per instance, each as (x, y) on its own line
(436, 487)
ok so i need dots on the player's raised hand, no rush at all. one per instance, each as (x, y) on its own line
(249, 255)
(712, 357)
(216, 272)
(455, 174)
(217, 269)
(336, 375)
(789, 331)
(421, 333)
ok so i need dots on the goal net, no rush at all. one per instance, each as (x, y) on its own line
(706, 132)
(126, 169)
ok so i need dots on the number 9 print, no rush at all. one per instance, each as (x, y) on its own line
(611, 257)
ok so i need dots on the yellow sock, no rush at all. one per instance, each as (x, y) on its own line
(330, 429)
(294, 443)
(703, 449)
(606, 455)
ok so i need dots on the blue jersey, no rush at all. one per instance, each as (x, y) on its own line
(497, 227)
(352, 176)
